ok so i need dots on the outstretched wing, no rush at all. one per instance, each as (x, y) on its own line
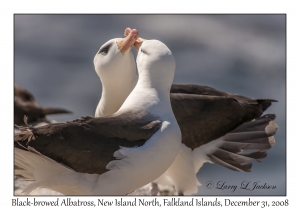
(203, 118)
(209, 91)
(87, 145)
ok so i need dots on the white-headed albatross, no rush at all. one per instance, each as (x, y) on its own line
(25, 104)
(110, 155)
(216, 126)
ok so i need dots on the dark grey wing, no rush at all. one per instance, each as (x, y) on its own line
(203, 118)
(248, 141)
(196, 89)
(208, 91)
(87, 145)
(25, 104)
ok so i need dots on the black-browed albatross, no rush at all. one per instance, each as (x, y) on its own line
(215, 125)
(25, 104)
(108, 155)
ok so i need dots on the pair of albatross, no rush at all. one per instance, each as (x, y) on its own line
(133, 143)
(206, 118)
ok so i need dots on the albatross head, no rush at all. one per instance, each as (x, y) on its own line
(114, 55)
(156, 64)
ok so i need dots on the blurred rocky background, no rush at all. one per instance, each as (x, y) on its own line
(242, 54)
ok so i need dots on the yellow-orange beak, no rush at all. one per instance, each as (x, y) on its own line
(126, 43)
(137, 44)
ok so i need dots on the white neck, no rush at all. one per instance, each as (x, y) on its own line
(146, 80)
(114, 94)
(149, 96)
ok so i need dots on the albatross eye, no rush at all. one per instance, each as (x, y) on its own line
(143, 51)
(104, 50)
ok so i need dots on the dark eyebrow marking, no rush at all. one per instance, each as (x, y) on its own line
(106, 47)
(144, 51)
